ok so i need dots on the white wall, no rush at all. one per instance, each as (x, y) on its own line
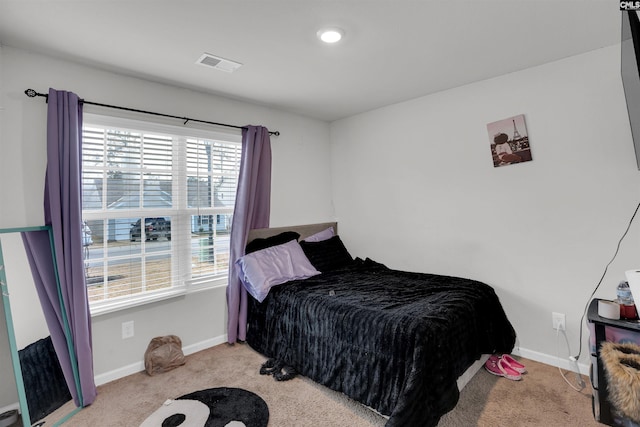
(414, 187)
(301, 188)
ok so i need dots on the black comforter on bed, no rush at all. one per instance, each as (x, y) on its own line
(395, 341)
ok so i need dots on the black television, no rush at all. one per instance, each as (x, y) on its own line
(630, 69)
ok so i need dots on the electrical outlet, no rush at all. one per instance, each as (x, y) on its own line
(558, 320)
(127, 330)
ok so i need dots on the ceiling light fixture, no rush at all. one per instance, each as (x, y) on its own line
(330, 35)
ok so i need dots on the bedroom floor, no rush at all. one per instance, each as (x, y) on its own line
(542, 398)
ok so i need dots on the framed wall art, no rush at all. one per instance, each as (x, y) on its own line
(509, 141)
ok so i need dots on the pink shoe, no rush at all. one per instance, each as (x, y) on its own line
(494, 358)
(513, 363)
(496, 366)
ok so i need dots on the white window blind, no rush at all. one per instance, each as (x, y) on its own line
(158, 205)
(212, 177)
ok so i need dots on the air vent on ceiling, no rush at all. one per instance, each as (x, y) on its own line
(218, 63)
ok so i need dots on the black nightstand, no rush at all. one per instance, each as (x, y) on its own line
(601, 407)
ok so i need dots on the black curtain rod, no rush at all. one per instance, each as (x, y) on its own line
(32, 94)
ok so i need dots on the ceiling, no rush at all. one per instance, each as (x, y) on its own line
(393, 50)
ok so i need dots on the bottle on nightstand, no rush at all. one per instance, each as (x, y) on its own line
(625, 300)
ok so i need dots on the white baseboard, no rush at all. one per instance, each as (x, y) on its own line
(115, 374)
(11, 407)
(134, 368)
(203, 345)
(551, 360)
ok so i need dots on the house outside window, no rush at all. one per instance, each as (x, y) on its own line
(158, 205)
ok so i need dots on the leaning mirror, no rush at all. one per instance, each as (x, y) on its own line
(40, 383)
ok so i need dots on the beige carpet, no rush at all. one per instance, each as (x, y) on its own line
(542, 398)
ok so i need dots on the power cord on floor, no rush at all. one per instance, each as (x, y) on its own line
(579, 379)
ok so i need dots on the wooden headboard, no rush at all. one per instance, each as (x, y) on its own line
(304, 230)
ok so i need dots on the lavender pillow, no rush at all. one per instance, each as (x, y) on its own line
(322, 235)
(261, 270)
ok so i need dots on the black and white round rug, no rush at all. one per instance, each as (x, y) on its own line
(214, 407)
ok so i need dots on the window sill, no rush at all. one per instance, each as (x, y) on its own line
(197, 285)
(106, 307)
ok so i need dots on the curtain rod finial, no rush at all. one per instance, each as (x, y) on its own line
(32, 94)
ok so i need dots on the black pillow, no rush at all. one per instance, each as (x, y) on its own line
(267, 242)
(327, 255)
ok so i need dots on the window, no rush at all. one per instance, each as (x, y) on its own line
(157, 209)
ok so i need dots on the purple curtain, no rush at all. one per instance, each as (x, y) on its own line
(252, 209)
(63, 212)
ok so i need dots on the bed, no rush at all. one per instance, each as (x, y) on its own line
(395, 341)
